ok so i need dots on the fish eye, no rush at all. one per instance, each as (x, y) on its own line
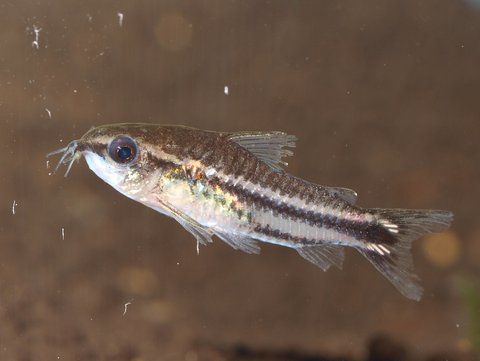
(123, 150)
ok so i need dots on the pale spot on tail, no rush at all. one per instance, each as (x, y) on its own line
(385, 249)
(391, 227)
(380, 249)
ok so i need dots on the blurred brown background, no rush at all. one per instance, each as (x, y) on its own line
(384, 97)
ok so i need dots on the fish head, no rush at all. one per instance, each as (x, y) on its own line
(123, 155)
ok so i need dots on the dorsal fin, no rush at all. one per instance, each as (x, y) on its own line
(348, 195)
(270, 147)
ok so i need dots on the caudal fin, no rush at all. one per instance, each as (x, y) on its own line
(392, 256)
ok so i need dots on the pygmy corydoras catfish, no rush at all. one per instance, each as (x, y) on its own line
(232, 185)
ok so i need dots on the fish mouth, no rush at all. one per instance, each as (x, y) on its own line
(72, 152)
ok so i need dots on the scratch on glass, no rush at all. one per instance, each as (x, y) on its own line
(36, 42)
(120, 19)
(125, 307)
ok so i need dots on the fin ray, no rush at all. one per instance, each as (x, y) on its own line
(323, 255)
(202, 235)
(394, 261)
(239, 242)
(270, 147)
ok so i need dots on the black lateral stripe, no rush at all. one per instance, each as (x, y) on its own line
(275, 233)
(360, 230)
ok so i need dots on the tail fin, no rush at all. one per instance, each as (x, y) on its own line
(393, 258)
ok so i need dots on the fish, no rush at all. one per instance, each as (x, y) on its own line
(234, 185)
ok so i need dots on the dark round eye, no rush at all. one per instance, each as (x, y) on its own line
(123, 149)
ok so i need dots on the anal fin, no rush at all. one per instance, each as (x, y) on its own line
(323, 255)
